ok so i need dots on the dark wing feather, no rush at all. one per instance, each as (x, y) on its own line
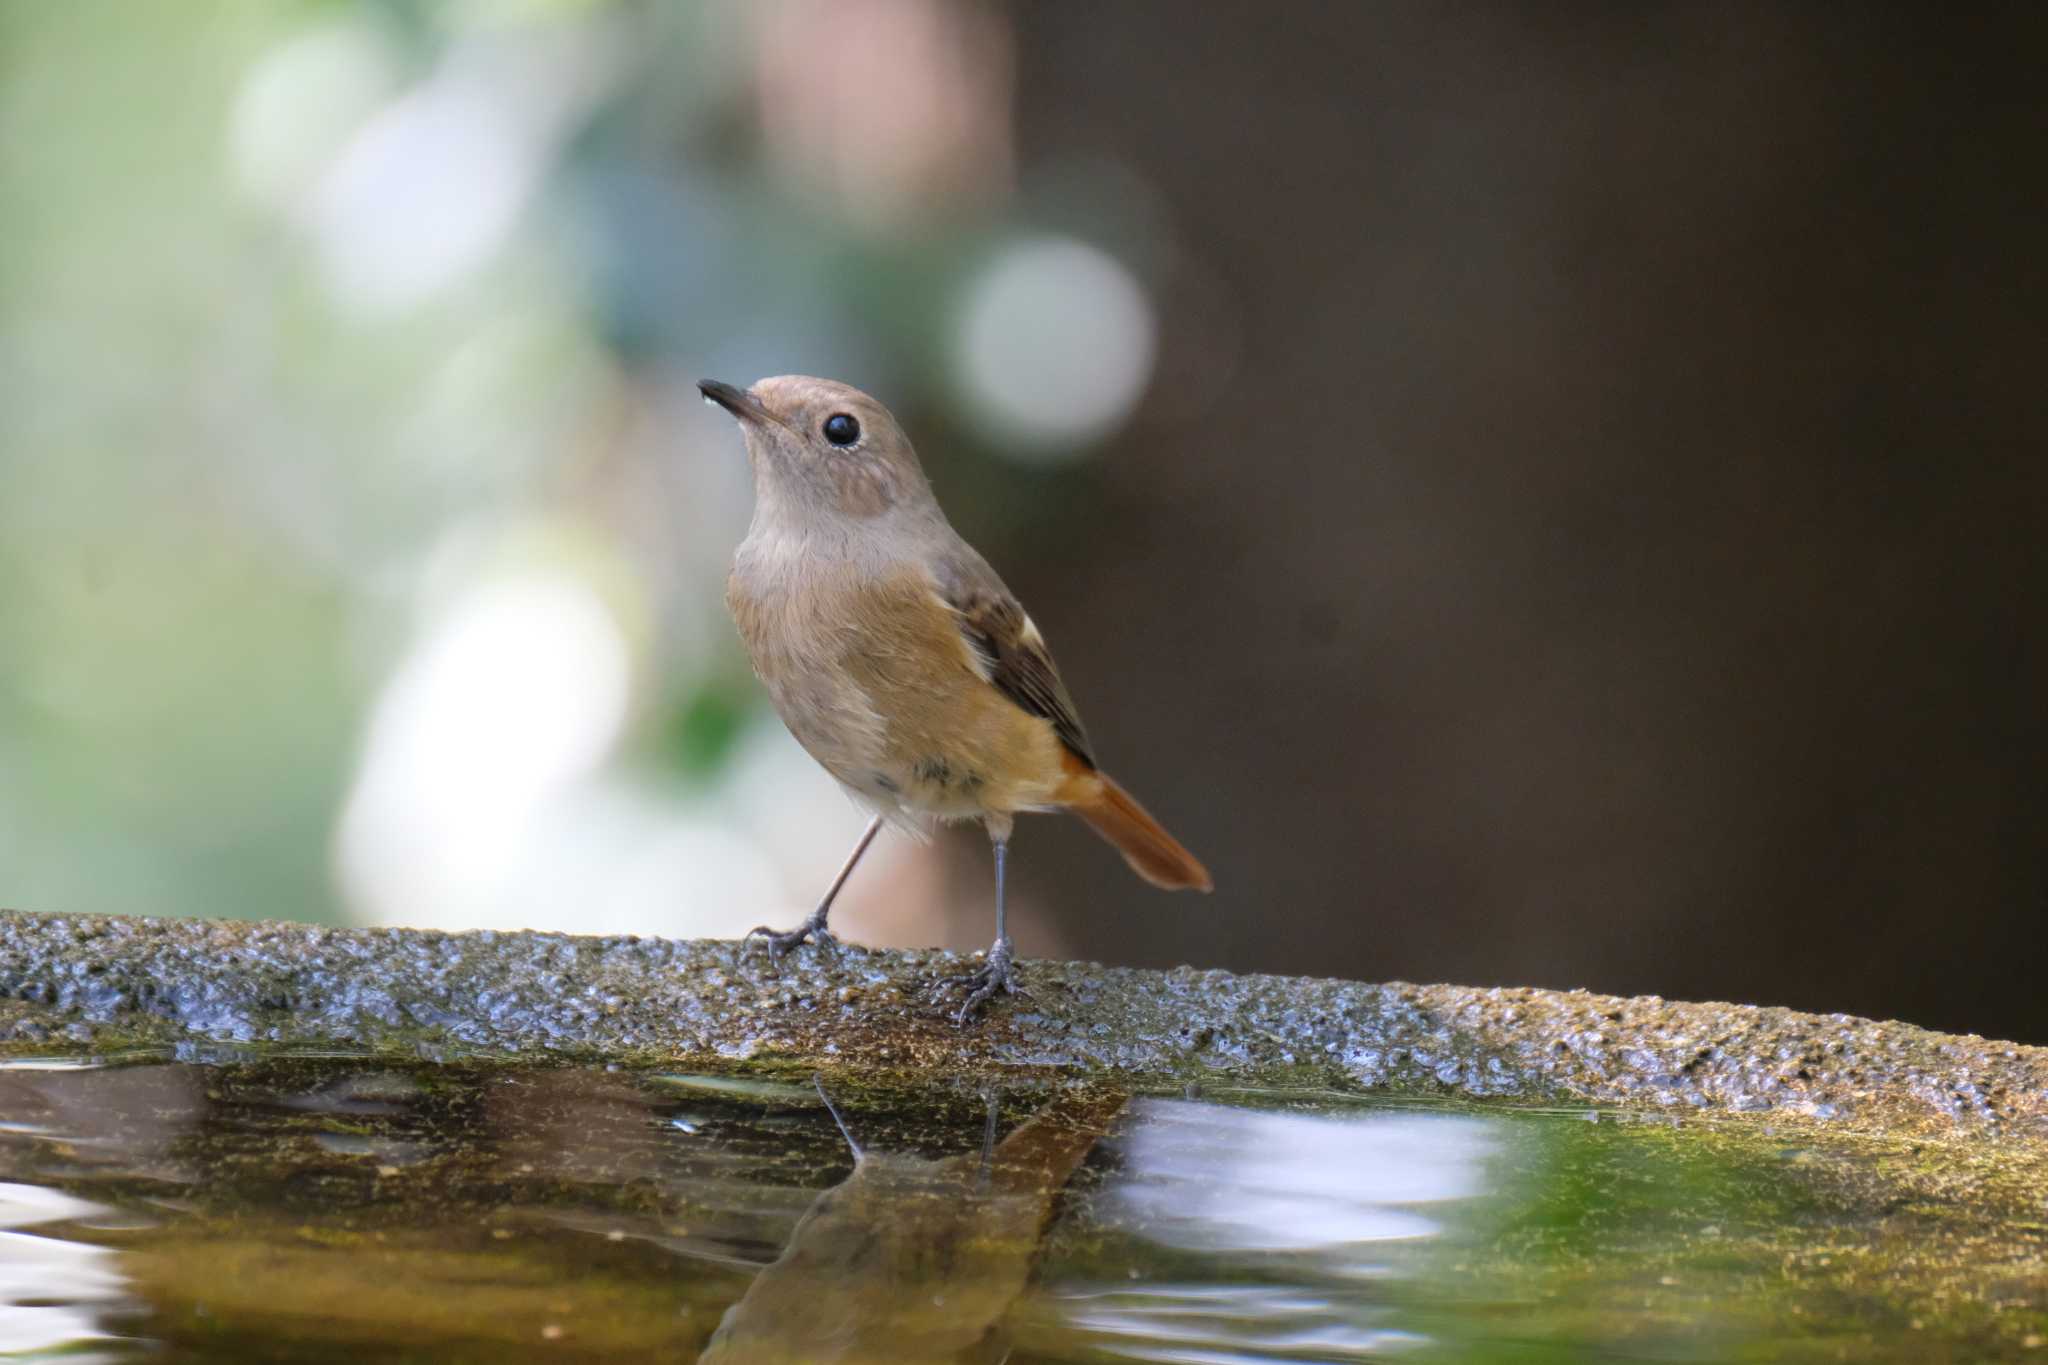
(1009, 644)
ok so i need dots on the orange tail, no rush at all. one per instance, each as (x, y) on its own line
(1116, 815)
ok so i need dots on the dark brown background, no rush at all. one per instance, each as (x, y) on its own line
(1614, 558)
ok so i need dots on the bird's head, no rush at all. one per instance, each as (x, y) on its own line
(822, 448)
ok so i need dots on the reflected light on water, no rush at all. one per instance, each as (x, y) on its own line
(1227, 1324)
(1209, 1178)
(1300, 1213)
(52, 1293)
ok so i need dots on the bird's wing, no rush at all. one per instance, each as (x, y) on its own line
(1008, 646)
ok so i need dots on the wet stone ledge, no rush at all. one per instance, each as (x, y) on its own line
(87, 984)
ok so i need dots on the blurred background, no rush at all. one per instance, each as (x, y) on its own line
(1535, 495)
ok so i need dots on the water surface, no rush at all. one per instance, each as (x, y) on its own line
(343, 1209)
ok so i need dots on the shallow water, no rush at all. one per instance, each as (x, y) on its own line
(329, 1209)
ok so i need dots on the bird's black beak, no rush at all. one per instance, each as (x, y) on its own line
(738, 402)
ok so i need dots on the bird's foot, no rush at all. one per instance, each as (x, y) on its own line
(812, 929)
(997, 974)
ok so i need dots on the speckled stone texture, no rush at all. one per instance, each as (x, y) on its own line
(91, 984)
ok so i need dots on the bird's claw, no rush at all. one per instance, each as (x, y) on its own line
(997, 975)
(780, 942)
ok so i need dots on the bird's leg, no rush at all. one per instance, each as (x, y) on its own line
(997, 972)
(814, 927)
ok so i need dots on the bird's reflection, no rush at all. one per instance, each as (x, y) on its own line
(1293, 1219)
(916, 1260)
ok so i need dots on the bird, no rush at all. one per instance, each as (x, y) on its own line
(899, 660)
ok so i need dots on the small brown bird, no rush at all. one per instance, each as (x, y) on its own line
(896, 656)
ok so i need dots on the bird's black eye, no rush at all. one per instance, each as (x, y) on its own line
(841, 429)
